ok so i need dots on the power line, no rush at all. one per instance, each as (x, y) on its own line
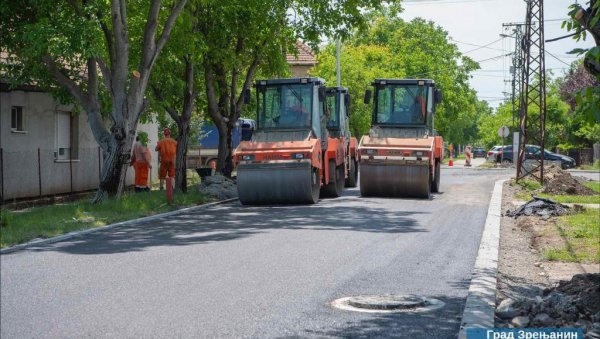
(555, 57)
(481, 46)
(494, 58)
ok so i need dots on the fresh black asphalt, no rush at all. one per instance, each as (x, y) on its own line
(233, 271)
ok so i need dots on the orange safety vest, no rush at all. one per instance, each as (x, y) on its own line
(167, 148)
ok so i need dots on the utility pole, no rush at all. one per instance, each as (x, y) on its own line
(516, 69)
(337, 62)
(533, 98)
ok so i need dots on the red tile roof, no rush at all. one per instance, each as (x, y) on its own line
(305, 55)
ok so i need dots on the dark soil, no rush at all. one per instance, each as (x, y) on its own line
(557, 181)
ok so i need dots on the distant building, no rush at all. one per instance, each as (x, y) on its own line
(303, 62)
(47, 148)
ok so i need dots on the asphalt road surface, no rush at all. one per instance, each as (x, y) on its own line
(259, 272)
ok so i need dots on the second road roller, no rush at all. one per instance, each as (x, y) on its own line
(401, 155)
(291, 157)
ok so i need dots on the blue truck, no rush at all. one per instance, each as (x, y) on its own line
(204, 152)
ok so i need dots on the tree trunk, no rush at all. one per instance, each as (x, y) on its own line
(114, 167)
(180, 160)
(224, 150)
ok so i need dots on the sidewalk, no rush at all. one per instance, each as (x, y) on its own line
(460, 163)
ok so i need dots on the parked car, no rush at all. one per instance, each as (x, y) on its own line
(505, 155)
(491, 154)
(479, 152)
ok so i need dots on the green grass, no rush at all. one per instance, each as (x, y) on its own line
(581, 232)
(573, 199)
(48, 221)
(593, 185)
(595, 166)
(530, 185)
(578, 199)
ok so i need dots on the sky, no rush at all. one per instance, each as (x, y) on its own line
(473, 23)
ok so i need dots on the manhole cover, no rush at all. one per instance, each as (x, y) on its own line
(387, 303)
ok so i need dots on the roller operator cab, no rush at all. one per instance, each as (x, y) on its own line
(285, 161)
(401, 155)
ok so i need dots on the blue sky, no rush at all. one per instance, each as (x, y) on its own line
(473, 23)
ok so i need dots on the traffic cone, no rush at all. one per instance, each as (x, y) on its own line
(450, 162)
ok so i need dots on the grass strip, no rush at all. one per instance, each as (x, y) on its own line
(581, 233)
(18, 227)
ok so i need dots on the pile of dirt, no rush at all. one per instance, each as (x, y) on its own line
(558, 181)
(218, 187)
(574, 303)
(542, 207)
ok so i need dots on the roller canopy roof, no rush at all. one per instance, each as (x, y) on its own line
(289, 81)
(403, 81)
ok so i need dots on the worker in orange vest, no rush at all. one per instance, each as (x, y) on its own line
(141, 162)
(167, 149)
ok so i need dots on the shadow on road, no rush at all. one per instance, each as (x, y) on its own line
(231, 222)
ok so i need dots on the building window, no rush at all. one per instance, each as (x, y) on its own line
(16, 119)
(66, 136)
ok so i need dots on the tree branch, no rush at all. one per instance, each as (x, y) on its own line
(106, 77)
(65, 81)
(158, 94)
(108, 37)
(249, 78)
(213, 108)
(190, 93)
(164, 37)
(583, 17)
(92, 71)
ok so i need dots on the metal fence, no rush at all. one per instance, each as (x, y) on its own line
(42, 172)
(582, 156)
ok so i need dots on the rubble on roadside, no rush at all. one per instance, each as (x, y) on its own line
(559, 181)
(574, 303)
(542, 207)
(218, 187)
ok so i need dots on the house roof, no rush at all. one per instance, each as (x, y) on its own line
(305, 55)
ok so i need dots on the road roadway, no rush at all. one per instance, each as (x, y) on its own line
(261, 272)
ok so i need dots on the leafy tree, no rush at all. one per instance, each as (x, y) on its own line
(584, 21)
(489, 124)
(90, 48)
(243, 38)
(392, 47)
(581, 131)
(177, 87)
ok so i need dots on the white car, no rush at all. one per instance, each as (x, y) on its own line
(491, 154)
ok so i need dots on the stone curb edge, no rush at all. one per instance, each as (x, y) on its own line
(107, 227)
(481, 300)
(583, 171)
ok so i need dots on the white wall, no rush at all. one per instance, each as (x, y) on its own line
(28, 157)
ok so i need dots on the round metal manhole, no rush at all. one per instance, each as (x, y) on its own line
(387, 303)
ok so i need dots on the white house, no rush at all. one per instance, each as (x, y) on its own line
(47, 148)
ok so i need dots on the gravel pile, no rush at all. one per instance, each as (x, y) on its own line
(574, 303)
(557, 181)
(542, 207)
(218, 187)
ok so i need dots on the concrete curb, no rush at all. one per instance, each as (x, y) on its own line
(108, 227)
(583, 171)
(481, 300)
(473, 168)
